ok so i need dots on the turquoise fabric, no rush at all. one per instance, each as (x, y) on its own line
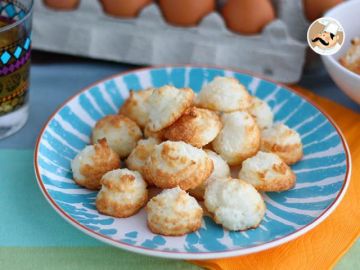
(29, 219)
(85, 258)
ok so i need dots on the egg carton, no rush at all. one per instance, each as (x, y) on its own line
(292, 14)
(149, 40)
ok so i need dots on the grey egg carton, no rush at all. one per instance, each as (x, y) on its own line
(278, 52)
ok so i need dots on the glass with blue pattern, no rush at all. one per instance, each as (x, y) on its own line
(15, 52)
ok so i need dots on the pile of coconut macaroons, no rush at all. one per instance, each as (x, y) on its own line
(187, 145)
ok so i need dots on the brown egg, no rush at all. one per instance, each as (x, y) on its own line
(124, 8)
(63, 5)
(186, 12)
(314, 9)
(247, 16)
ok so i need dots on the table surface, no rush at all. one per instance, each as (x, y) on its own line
(54, 78)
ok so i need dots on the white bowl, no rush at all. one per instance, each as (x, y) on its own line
(347, 14)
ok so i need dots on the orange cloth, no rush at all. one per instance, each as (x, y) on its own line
(324, 245)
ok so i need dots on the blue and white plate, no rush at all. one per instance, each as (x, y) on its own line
(322, 174)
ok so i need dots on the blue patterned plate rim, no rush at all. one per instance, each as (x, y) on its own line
(190, 255)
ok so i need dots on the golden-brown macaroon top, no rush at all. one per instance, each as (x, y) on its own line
(283, 141)
(261, 112)
(166, 104)
(234, 203)
(239, 139)
(137, 159)
(92, 163)
(135, 106)
(122, 194)
(173, 212)
(196, 126)
(121, 133)
(221, 170)
(224, 94)
(267, 172)
(174, 164)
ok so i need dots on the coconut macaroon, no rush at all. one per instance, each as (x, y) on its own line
(234, 203)
(267, 172)
(239, 139)
(138, 156)
(283, 141)
(159, 135)
(174, 164)
(261, 112)
(173, 212)
(121, 133)
(196, 126)
(92, 163)
(221, 170)
(224, 94)
(135, 106)
(166, 104)
(123, 193)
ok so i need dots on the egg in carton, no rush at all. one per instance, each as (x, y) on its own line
(150, 40)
